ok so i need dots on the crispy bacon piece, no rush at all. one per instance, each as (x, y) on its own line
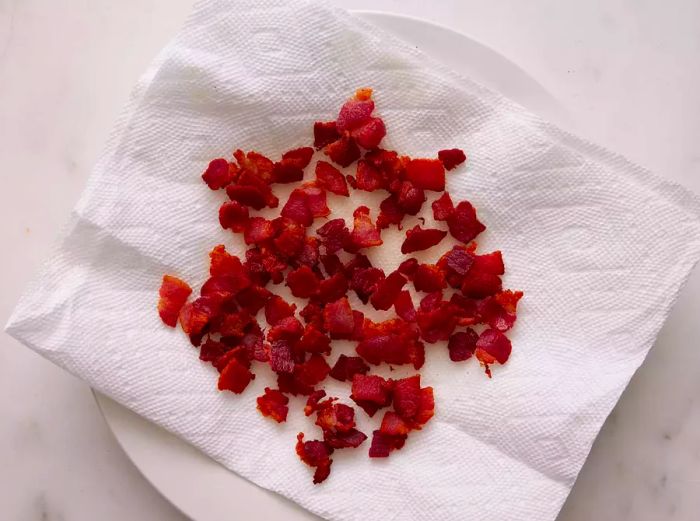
(235, 377)
(346, 367)
(452, 158)
(428, 174)
(334, 235)
(343, 151)
(462, 345)
(410, 198)
(491, 347)
(233, 216)
(428, 278)
(302, 282)
(273, 404)
(483, 277)
(338, 319)
(463, 223)
(195, 317)
(173, 294)
(219, 173)
(388, 290)
(371, 392)
(364, 281)
(258, 230)
(390, 213)
(383, 444)
(418, 239)
(315, 454)
(403, 305)
(325, 133)
(314, 341)
(291, 168)
(330, 178)
(365, 234)
(443, 207)
(332, 288)
(276, 309)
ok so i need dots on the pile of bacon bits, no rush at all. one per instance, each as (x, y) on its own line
(323, 267)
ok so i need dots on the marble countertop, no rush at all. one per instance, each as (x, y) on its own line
(628, 72)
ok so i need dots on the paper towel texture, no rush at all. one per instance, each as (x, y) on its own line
(599, 246)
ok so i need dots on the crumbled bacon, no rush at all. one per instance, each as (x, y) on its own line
(173, 294)
(418, 239)
(452, 158)
(273, 404)
(322, 266)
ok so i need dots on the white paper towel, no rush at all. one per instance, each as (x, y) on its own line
(600, 247)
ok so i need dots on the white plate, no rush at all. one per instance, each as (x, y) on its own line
(197, 485)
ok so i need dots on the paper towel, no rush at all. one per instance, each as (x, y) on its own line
(600, 247)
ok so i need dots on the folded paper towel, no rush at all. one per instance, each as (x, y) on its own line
(599, 246)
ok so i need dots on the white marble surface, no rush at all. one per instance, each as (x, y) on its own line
(627, 70)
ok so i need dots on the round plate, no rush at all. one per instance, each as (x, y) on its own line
(197, 485)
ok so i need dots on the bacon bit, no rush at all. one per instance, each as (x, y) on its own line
(313, 314)
(233, 324)
(383, 445)
(330, 178)
(394, 425)
(443, 207)
(462, 345)
(371, 392)
(456, 263)
(347, 367)
(387, 291)
(233, 216)
(255, 167)
(309, 253)
(334, 235)
(389, 213)
(428, 174)
(344, 440)
(212, 350)
(428, 278)
(354, 113)
(252, 196)
(315, 454)
(368, 177)
(291, 168)
(408, 267)
(273, 404)
(276, 309)
(325, 133)
(315, 199)
(410, 198)
(364, 281)
(418, 239)
(313, 371)
(253, 298)
(452, 158)
(407, 397)
(483, 278)
(281, 356)
(219, 174)
(426, 408)
(314, 341)
(332, 288)
(436, 322)
(195, 316)
(235, 377)
(173, 294)
(336, 417)
(302, 282)
(338, 319)
(297, 208)
(491, 347)
(314, 402)
(258, 230)
(365, 234)
(370, 134)
(290, 240)
(403, 305)
(252, 342)
(343, 152)
(463, 223)
(239, 353)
